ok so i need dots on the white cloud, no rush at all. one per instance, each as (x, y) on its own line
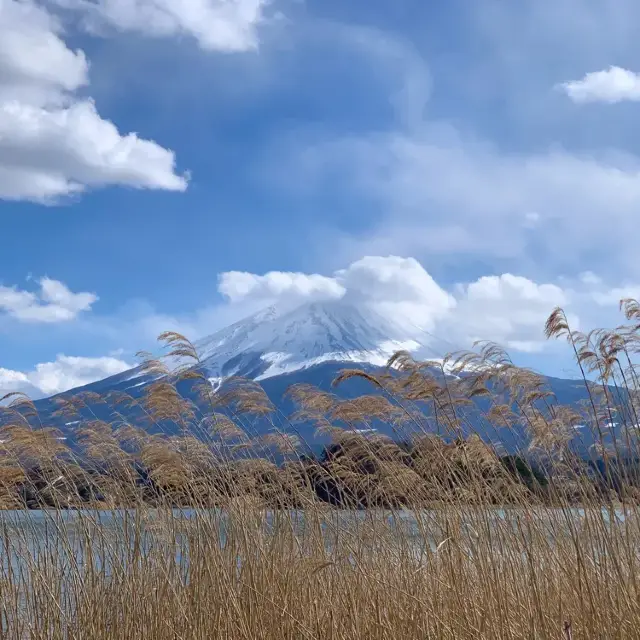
(543, 193)
(391, 278)
(52, 143)
(36, 66)
(12, 381)
(612, 85)
(47, 153)
(590, 278)
(221, 25)
(398, 288)
(510, 287)
(391, 285)
(531, 45)
(439, 192)
(507, 309)
(66, 372)
(606, 297)
(239, 285)
(55, 302)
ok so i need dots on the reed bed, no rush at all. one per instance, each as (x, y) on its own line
(185, 522)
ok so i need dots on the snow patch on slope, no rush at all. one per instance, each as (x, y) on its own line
(280, 363)
(274, 342)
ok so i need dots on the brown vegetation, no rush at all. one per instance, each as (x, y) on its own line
(434, 534)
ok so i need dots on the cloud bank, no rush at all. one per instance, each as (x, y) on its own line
(442, 193)
(505, 308)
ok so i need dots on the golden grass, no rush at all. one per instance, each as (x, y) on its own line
(437, 535)
(449, 573)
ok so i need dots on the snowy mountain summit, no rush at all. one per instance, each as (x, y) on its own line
(273, 341)
(307, 344)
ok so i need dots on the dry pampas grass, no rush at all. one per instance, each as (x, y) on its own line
(213, 518)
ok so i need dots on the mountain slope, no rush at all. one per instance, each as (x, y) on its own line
(309, 344)
(273, 342)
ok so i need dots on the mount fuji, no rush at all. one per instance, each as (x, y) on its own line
(274, 342)
(280, 347)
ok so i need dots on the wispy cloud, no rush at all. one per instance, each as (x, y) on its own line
(220, 25)
(428, 186)
(441, 192)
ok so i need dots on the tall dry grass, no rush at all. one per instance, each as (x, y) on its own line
(206, 529)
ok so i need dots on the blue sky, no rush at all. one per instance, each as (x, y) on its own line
(297, 137)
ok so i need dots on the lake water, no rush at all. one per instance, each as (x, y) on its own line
(62, 549)
(112, 536)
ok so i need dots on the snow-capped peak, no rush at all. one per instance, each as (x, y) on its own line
(276, 341)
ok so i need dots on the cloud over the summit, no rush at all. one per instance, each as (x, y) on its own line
(508, 309)
(392, 279)
(240, 285)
